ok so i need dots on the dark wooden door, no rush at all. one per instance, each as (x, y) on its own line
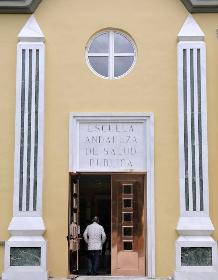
(74, 227)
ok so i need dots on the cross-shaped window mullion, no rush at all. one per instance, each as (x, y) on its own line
(124, 54)
(104, 63)
(98, 54)
(111, 55)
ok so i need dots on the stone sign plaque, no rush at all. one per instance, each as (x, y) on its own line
(111, 144)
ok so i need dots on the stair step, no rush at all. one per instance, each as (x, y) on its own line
(111, 278)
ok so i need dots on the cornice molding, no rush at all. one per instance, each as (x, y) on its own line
(18, 6)
(201, 6)
(29, 6)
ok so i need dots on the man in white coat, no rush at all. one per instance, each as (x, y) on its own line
(94, 236)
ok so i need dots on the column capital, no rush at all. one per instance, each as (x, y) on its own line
(191, 31)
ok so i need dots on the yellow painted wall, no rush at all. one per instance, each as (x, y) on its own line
(71, 87)
(9, 28)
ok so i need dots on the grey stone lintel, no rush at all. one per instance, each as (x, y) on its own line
(201, 6)
(18, 6)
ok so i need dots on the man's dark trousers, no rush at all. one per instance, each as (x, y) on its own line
(93, 261)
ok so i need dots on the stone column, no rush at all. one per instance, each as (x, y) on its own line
(25, 251)
(196, 250)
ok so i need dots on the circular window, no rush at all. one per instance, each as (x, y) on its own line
(111, 54)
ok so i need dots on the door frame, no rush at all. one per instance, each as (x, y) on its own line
(148, 118)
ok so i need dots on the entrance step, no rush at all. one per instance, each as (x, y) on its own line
(111, 278)
(118, 278)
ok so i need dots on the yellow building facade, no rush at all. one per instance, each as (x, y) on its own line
(126, 132)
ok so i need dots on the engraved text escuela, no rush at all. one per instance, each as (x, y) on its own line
(110, 145)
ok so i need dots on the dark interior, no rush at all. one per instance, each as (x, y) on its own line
(95, 200)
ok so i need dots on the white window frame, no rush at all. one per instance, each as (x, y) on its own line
(111, 54)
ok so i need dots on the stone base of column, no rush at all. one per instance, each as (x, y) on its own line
(33, 275)
(25, 258)
(196, 275)
(196, 258)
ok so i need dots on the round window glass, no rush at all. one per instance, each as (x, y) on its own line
(111, 54)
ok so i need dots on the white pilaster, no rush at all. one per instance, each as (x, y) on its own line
(196, 251)
(25, 251)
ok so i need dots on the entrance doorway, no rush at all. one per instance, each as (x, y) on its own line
(95, 200)
(118, 200)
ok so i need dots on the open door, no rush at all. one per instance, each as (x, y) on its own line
(118, 199)
(128, 225)
(74, 228)
(90, 195)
